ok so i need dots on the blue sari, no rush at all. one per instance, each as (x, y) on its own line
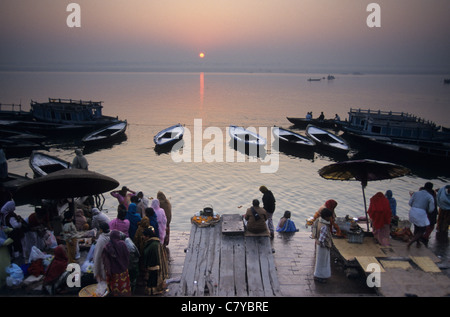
(288, 226)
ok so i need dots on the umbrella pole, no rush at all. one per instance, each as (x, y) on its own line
(365, 207)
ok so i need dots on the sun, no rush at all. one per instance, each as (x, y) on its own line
(201, 55)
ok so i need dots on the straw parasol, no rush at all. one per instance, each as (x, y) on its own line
(363, 171)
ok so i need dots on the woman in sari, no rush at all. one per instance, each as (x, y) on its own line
(134, 218)
(162, 219)
(380, 213)
(330, 204)
(52, 276)
(115, 258)
(286, 224)
(139, 235)
(155, 263)
(8, 218)
(167, 207)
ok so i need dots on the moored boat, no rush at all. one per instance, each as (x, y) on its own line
(398, 131)
(412, 150)
(246, 136)
(107, 134)
(302, 123)
(42, 164)
(169, 136)
(398, 125)
(327, 140)
(292, 139)
(69, 111)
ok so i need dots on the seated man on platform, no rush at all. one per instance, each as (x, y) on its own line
(256, 217)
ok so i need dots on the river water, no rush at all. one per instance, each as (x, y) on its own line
(210, 171)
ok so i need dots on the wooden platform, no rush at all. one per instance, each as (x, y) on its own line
(404, 271)
(228, 264)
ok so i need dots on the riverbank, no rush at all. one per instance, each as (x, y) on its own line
(294, 258)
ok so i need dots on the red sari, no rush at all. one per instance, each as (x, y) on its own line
(380, 213)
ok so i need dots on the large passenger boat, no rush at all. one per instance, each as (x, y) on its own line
(399, 130)
(68, 111)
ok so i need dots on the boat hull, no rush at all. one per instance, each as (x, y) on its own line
(245, 136)
(302, 123)
(291, 139)
(327, 140)
(412, 149)
(169, 136)
(108, 134)
(42, 164)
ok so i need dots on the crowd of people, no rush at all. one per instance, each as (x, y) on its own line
(128, 252)
(131, 249)
(429, 210)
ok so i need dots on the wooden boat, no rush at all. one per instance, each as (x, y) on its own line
(399, 131)
(399, 125)
(327, 140)
(56, 117)
(245, 136)
(412, 150)
(69, 111)
(45, 128)
(169, 136)
(10, 134)
(106, 134)
(43, 164)
(302, 123)
(13, 112)
(293, 139)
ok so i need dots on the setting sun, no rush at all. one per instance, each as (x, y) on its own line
(201, 55)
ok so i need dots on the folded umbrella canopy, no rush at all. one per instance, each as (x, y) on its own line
(363, 171)
(66, 183)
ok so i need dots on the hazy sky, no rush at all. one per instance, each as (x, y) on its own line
(285, 35)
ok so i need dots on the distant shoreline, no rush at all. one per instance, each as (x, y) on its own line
(145, 68)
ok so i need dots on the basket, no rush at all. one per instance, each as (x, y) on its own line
(355, 236)
(89, 291)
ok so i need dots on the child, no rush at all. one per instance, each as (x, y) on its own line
(322, 235)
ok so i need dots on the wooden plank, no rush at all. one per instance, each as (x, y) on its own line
(426, 264)
(202, 260)
(232, 224)
(187, 278)
(395, 264)
(264, 265)
(364, 261)
(191, 262)
(268, 269)
(349, 251)
(212, 272)
(240, 278)
(226, 280)
(255, 286)
(227, 265)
